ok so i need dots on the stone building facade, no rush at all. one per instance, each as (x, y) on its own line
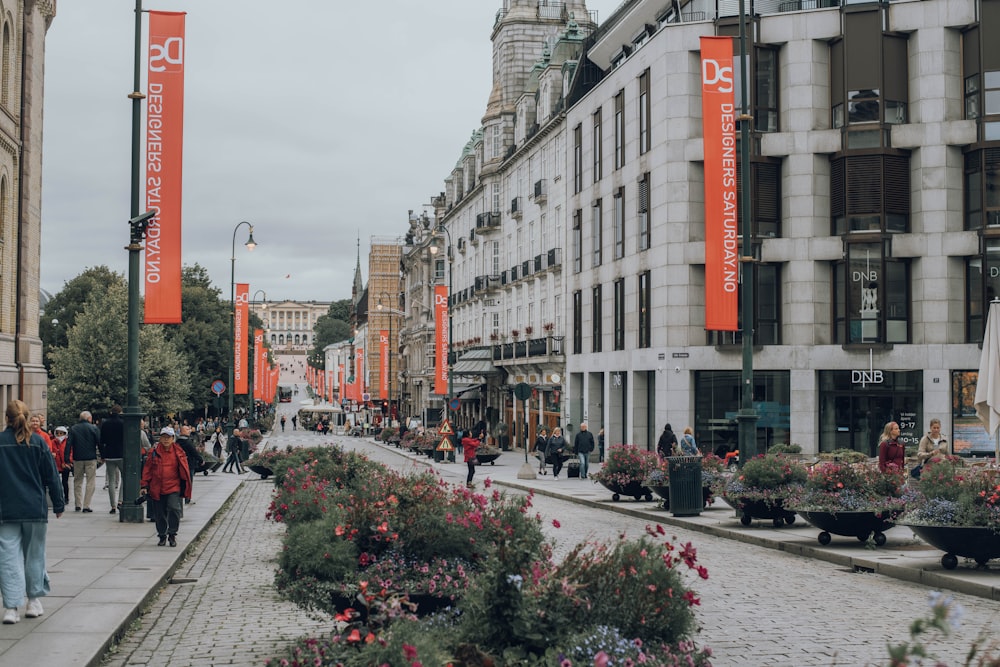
(288, 325)
(23, 26)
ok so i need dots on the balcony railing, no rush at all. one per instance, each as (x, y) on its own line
(527, 349)
(553, 257)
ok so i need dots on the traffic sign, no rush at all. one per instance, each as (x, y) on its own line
(454, 404)
(218, 387)
(522, 391)
(445, 445)
(366, 397)
(445, 428)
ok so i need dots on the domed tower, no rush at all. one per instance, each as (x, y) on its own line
(523, 29)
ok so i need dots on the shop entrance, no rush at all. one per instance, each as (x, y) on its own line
(853, 416)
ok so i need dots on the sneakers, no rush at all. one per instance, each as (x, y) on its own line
(173, 540)
(87, 509)
(162, 542)
(10, 616)
(34, 609)
(113, 510)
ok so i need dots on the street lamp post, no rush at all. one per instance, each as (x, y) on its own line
(390, 312)
(250, 244)
(451, 366)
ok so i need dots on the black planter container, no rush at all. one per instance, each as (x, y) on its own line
(851, 524)
(262, 471)
(758, 509)
(976, 542)
(634, 489)
(483, 459)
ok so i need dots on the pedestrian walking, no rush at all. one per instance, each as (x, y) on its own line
(667, 442)
(890, 451)
(932, 445)
(217, 438)
(583, 445)
(554, 451)
(687, 444)
(194, 459)
(27, 475)
(63, 465)
(233, 449)
(84, 439)
(469, 446)
(166, 479)
(600, 446)
(282, 423)
(112, 448)
(541, 444)
(295, 421)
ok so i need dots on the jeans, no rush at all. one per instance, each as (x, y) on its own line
(233, 460)
(167, 513)
(584, 464)
(22, 562)
(83, 469)
(472, 471)
(113, 474)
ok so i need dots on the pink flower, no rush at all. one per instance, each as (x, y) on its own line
(409, 651)
(555, 523)
(601, 659)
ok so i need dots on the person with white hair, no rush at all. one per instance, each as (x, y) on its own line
(84, 441)
(166, 480)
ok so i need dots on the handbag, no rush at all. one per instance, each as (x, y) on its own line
(917, 469)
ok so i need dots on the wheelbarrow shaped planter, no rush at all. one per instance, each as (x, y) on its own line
(861, 525)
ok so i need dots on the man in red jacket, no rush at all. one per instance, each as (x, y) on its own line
(166, 478)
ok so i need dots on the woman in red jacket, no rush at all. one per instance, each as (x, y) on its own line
(166, 477)
(890, 452)
(469, 445)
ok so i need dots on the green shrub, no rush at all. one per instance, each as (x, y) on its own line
(310, 551)
(785, 448)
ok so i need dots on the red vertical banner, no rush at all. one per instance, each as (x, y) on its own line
(383, 363)
(319, 381)
(164, 164)
(359, 373)
(242, 312)
(441, 339)
(722, 275)
(258, 364)
(341, 387)
(329, 386)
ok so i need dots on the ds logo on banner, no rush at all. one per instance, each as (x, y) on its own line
(383, 339)
(170, 52)
(440, 300)
(716, 77)
(242, 298)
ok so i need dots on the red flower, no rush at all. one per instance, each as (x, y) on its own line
(355, 636)
(409, 651)
(555, 523)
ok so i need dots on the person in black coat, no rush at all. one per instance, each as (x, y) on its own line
(233, 447)
(194, 458)
(583, 445)
(541, 444)
(667, 442)
(555, 450)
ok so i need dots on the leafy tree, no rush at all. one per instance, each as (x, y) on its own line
(90, 372)
(67, 304)
(333, 327)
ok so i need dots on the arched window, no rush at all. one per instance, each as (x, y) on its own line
(4, 206)
(5, 67)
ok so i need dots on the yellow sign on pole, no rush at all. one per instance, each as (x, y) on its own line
(445, 428)
(445, 445)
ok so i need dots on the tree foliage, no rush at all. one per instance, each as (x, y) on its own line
(331, 328)
(64, 307)
(90, 371)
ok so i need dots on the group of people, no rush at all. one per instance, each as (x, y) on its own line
(670, 445)
(892, 452)
(552, 449)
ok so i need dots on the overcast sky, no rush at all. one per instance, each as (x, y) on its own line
(315, 120)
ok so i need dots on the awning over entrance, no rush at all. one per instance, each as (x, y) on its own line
(476, 362)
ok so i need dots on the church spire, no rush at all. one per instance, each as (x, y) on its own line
(358, 284)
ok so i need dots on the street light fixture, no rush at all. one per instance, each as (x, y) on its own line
(390, 312)
(250, 244)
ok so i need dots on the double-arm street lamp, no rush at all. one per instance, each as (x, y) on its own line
(451, 386)
(250, 244)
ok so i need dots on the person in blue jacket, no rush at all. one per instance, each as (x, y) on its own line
(27, 473)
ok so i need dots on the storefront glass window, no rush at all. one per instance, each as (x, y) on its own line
(717, 400)
(856, 405)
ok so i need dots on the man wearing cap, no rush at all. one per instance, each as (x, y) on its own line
(166, 479)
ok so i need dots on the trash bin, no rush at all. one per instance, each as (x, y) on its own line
(685, 485)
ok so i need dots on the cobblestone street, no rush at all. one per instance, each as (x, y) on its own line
(759, 606)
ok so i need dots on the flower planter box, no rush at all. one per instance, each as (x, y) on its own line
(861, 525)
(262, 471)
(483, 459)
(634, 489)
(976, 542)
(749, 510)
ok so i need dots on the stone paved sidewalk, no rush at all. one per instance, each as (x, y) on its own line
(231, 614)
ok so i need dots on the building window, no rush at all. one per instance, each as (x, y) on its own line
(619, 333)
(871, 295)
(870, 193)
(619, 223)
(577, 241)
(577, 158)
(642, 212)
(982, 279)
(982, 189)
(766, 307)
(620, 129)
(644, 309)
(438, 270)
(596, 146)
(644, 140)
(597, 232)
(717, 401)
(869, 75)
(596, 314)
(577, 322)
(765, 92)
